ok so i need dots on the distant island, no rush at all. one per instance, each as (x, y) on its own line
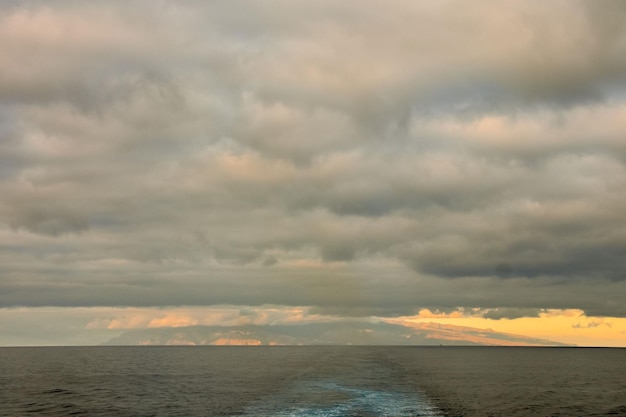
(327, 333)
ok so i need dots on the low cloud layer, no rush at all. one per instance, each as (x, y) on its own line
(359, 160)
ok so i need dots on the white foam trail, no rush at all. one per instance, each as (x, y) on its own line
(358, 402)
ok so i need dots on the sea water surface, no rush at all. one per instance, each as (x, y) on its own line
(322, 381)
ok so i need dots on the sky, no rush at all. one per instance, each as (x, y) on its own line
(285, 161)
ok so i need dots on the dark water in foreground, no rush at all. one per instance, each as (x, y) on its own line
(318, 381)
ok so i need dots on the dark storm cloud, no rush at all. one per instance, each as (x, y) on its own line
(371, 160)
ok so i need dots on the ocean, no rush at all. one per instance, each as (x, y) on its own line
(320, 381)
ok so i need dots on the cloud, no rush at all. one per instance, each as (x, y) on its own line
(378, 160)
(511, 313)
(592, 324)
(218, 315)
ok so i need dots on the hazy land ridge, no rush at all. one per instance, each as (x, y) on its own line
(329, 333)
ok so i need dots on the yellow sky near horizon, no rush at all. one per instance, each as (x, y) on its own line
(94, 325)
(566, 326)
